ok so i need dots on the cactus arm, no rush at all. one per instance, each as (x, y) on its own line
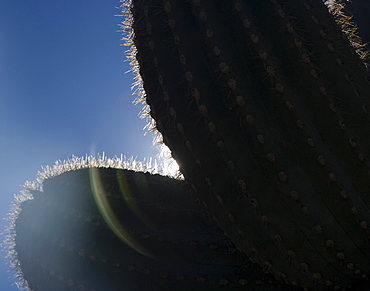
(63, 241)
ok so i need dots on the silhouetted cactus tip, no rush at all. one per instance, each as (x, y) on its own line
(36, 188)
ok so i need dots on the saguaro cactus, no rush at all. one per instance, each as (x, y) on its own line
(264, 105)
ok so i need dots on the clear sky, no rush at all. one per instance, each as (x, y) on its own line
(63, 91)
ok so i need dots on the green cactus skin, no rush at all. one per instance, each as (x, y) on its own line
(64, 242)
(264, 105)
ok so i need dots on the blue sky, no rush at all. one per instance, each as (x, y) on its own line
(63, 91)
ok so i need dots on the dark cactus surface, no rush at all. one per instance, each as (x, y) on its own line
(114, 229)
(264, 105)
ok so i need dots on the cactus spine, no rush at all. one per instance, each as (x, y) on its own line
(264, 105)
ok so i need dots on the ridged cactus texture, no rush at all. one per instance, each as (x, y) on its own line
(265, 107)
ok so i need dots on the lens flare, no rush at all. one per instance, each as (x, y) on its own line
(108, 214)
(126, 193)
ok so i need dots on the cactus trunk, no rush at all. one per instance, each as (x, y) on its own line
(264, 105)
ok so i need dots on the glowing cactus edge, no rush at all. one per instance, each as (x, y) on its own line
(264, 105)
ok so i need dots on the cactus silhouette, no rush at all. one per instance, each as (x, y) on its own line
(94, 226)
(264, 105)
